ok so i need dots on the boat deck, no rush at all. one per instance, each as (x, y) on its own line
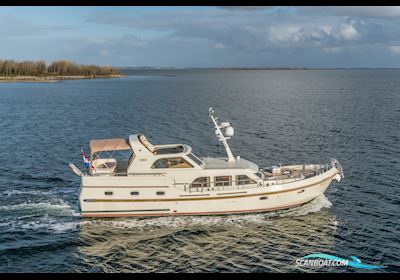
(293, 173)
(222, 163)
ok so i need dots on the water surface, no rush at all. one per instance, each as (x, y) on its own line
(283, 117)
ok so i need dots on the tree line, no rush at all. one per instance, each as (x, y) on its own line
(12, 68)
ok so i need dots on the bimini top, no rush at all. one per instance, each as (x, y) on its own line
(116, 144)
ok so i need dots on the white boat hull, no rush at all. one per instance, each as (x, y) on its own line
(177, 201)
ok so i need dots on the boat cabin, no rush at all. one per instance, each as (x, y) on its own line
(137, 154)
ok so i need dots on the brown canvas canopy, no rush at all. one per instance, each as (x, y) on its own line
(116, 144)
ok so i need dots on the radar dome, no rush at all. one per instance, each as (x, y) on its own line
(229, 131)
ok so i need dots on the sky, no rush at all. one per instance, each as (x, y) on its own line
(228, 36)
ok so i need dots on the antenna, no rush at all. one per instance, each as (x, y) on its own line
(221, 137)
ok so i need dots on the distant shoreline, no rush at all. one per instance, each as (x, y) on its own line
(251, 68)
(54, 79)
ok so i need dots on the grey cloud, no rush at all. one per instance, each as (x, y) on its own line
(11, 26)
(362, 11)
(240, 32)
(230, 36)
(245, 8)
(122, 46)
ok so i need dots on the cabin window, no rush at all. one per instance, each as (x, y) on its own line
(134, 193)
(171, 163)
(108, 193)
(244, 180)
(201, 182)
(131, 158)
(160, 193)
(222, 181)
(195, 159)
(169, 150)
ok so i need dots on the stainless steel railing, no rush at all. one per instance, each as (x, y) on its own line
(210, 187)
(317, 170)
(335, 163)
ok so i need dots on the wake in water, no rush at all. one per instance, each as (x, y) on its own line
(56, 217)
(46, 223)
(59, 208)
(13, 192)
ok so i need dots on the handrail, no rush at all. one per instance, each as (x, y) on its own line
(216, 188)
(319, 169)
(256, 184)
(335, 163)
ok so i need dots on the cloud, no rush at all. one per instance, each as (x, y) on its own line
(346, 29)
(362, 11)
(233, 35)
(395, 49)
(224, 28)
(246, 8)
(104, 49)
(219, 45)
(333, 49)
(12, 26)
(323, 31)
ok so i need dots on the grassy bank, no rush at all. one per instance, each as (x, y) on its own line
(53, 79)
(12, 71)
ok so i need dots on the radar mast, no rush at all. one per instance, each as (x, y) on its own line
(221, 137)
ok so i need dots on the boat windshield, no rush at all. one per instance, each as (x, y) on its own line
(178, 162)
(170, 150)
(195, 159)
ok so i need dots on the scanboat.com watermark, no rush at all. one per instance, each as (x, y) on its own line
(319, 260)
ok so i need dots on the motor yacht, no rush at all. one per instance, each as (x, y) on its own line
(132, 177)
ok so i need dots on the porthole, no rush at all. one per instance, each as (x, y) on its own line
(263, 197)
(108, 193)
(134, 193)
(301, 191)
(160, 193)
